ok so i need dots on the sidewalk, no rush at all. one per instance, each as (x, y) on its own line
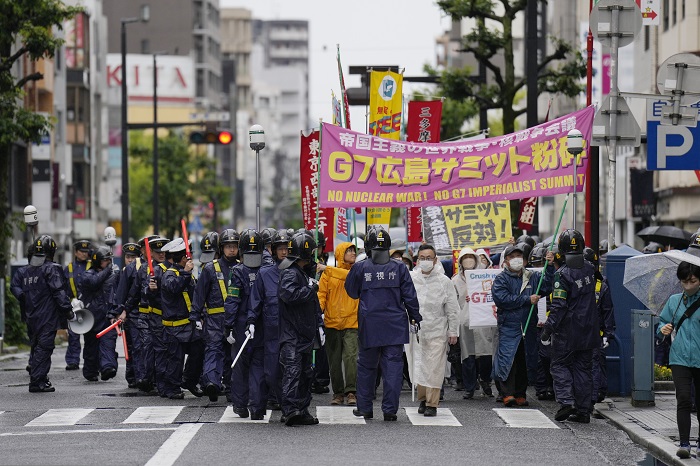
(652, 427)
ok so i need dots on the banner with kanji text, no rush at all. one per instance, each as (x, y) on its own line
(308, 174)
(363, 170)
(424, 120)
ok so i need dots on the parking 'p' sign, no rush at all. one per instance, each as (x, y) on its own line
(671, 147)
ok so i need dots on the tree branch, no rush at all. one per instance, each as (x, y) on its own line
(15, 57)
(30, 77)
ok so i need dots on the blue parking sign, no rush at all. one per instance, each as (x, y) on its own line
(671, 147)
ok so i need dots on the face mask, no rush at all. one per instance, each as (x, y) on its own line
(515, 264)
(426, 266)
(690, 288)
(469, 263)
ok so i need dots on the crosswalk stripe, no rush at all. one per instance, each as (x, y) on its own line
(527, 418)
(154, 415)
(444, 418)
(337, 415)
(170, 451)
(229, 416)
(60, 417)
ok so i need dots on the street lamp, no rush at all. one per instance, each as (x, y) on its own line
(125, 130)
(574, 144)
(31, 218)
(256, 137)
(156, 216)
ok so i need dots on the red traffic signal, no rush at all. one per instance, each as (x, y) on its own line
(222, 137)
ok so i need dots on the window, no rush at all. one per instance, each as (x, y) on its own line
(646, 37)
(145, 46)
(666, 14)
(682, 9)
(675, 12)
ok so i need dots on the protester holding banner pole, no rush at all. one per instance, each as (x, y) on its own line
(513, 293)
(440, 327)
(476, 345)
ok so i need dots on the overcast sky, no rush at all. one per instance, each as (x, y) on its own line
(369, 32)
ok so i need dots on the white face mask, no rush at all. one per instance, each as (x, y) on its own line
(515, 264)
(469, 263)
(426, 266)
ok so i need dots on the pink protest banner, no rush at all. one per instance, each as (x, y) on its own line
(308, 174)
(362, 170)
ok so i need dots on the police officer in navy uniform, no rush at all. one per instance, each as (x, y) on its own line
(264, 314)
(250, 248)
(300, 326)
(210, 293)
(387, 302)
(182, 335)
(131, 252)
(46, 296)
(573, 328)
(74, 271)
(157, 352)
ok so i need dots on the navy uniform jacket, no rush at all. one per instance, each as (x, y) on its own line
(97, 291)
(177, 289)
(573, 316)
(127, 278)
(605, 306)
(46, 296)
(386, 292)
(74, 274)
(299, 309)
(153, 297)
(236, 305)
(208, 291)
(264, 302)
(16, 289)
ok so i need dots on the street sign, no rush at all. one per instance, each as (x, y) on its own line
(628, 132)
(210, 116)
(671, 147)
(603, 26)
(680, 73)
(650, 12)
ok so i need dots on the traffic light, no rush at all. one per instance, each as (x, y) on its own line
(222, 137)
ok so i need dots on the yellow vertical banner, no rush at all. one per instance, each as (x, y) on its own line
(385, 104)
(385, 109)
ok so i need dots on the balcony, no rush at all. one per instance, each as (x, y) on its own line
(290, 35)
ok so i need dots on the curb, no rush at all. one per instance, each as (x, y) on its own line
(658, 445)
(13, 356)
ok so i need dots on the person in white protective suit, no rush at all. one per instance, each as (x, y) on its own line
(476, 345)
(440, 326)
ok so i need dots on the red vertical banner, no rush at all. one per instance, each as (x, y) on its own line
(526, 217)
(424, 119)
(423, 125)
(309, 177)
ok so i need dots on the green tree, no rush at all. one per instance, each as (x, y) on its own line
(558, 72)
(26, 31)
(183, 179)
(455, 113)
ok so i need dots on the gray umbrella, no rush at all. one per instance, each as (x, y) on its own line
(651, 278)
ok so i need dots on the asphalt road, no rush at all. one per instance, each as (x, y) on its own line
(106, 423)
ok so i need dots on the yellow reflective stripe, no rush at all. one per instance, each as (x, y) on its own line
(156, 311)
(71, 280)
(598, 285)
(185, 294)
(145, 310)
(138, 263)
(176, 323)
(215, 310)
(217, 268)
(89, 264)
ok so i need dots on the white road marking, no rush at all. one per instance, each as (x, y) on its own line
(60, 417)
(525, 418)
(154, 415)
(83, 431)
(337, 415)
(229, 416)
(444, 418)
(172, 448)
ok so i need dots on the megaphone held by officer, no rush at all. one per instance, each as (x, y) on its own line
(83, 320)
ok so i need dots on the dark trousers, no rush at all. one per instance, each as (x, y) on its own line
(131, 331)
(214, 350)
(73, 351)
(544, 382)
(160, 352)
(390, 359)
(143, 349)
(257, 382)
(297, 375)
(174, 374)
(273, 371)
(600, 379)
(322, 376)
(240, 374)
(683, 378)
(99, 354)
(573, 378)
(42, 348)
(475, 369)
(516, 383)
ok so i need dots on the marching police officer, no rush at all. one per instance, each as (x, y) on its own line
(572, 327)
(386, 294)
(155, 357)
(131, 253)
(250, 248)
(44, 292)
(182, 336)
(74, 271)
(212, 288)
(264, 314)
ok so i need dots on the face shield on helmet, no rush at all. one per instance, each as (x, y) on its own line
(44, 249)
(301, 247)
(250, 248)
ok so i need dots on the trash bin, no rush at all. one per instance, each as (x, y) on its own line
(643, 357)
(619, 369)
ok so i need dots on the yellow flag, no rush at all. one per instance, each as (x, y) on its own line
(385, 104)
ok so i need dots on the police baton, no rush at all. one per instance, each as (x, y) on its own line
(546, 262)
(240, 351)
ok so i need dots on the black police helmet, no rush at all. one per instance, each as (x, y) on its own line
(537, 255)
(571, 242)
(301, 247)
(280, 238)
(250, 242)
(377, 239)
(267, 235)
(228, 236)
(591, 256)
(559, 258)
(209, 246)
(44, 248)
(100, 254)
(526, 239)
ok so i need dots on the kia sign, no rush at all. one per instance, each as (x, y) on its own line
(671, 147)
(175, 78)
